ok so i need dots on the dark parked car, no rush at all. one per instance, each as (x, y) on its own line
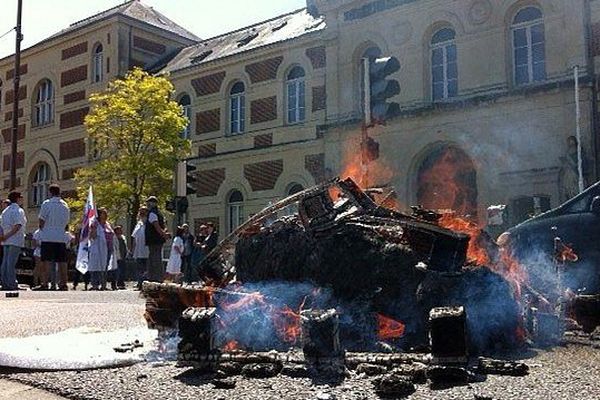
(577, 224)
(25, 265)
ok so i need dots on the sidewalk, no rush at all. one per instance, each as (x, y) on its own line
(10, 390)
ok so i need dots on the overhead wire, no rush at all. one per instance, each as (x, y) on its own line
(9, 31)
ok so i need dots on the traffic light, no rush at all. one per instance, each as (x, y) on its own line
(371, 149)
(190, 179)
(170, 205)
(382, 88)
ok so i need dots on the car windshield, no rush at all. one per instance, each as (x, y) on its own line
(582, 202)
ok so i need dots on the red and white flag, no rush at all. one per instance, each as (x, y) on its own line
(89, 215)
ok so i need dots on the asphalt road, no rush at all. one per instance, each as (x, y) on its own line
(565, 372)
(34, 313)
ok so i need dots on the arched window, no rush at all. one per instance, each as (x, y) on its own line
(444, 70)
(294, 188)
(235, 205)
(296, 95)
(186, 103)
(44, 104)
(529, 51)
(237, 108)
(97, 64)
(40, 181)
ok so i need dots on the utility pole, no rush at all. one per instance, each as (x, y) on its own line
(15, 116)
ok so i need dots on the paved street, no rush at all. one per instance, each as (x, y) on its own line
(34, 313)
(564, 372)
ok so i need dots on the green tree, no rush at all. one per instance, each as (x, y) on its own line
(134, 130)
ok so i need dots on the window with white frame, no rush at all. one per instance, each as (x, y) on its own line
(444, 69)
(39, 184)
(296, 95)
(97, 64)
(529, 52)
(235, 206)
(186, 103)
(237, 108)
(44, 104)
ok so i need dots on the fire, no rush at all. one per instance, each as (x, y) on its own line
(447, 181)
(506, 265)
(373, 174)
(566, 254)
(287, 323)
(388, 328)
(475, 252)
(245, 301)
(231, 346)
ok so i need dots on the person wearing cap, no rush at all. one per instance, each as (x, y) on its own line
(54, 216)
(13, 238)
(156, 235)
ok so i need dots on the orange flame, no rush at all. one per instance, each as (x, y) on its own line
(447, 181)
(231, 346)
(475, 252)
(373, 174)
(247, 300)
(388, 328)
(506, 265)
(566, 254)
(287, 323)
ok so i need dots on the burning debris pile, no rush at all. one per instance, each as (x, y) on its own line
(382, 272)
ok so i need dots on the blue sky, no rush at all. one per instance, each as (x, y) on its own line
(42, 18)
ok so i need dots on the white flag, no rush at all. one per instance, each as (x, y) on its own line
(89, 215)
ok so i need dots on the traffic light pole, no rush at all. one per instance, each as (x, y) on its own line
(15, 116)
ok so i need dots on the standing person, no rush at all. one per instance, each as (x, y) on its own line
(122, 255)
(139, 250)
(54, 216)
(13, 238)
(212, 238)
(174, 265)
(101, 253)
(156, 236)
(186, 256)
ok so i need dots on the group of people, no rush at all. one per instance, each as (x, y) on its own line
(50, 238)
(149, 237)
(107, 246)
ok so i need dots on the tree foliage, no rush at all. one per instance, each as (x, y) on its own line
(134, 130)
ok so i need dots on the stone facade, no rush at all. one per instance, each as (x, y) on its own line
(507, 139)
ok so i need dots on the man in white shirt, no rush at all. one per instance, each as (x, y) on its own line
(13, 238)
(139, 249)
(54, 217)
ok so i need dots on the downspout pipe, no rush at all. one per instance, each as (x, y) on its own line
(591, 70)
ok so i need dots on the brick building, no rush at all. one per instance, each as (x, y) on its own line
(487, 100)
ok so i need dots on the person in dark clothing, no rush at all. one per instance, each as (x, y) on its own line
(156, 236)
(211, 240)
(186, 256)
(120, 272)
